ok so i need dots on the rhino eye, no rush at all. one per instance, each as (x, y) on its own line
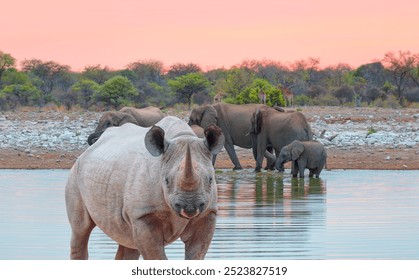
(166, 181)
(210, 180)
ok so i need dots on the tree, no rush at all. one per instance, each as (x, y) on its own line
(18, 90)
(144, 75)
(187, 85)
(6, 61)
(236, 80)
(251, 93)
(401, 66)
(147, 70)
(84, 90)
(46, 74)
(180, 69)
(116, 92)
(97, 73)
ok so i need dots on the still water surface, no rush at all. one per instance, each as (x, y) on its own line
(344, 215)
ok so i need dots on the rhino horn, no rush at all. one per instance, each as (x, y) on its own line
(189, 178)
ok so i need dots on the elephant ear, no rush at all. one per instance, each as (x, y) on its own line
(257, 121)
(214, 139)
(155, 142)
(126, 118)
(209, 116)
(297, 149)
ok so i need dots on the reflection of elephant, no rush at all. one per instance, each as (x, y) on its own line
(276, 129)
(304, 154)
(144, 117)
(234, 121)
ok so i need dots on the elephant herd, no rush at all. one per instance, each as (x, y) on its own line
(272, 133)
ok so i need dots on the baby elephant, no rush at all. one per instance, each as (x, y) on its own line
(303, 154)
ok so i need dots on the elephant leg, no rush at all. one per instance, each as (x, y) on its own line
(311, 173)
(262, 146)
(125, 253)
(294, 169)
(301, 168)
(233, 156)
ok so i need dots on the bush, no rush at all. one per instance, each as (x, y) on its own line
(303, 100)
(412, 95)
(390, 102)
(326, 100)
(116, 92)
(251, 94)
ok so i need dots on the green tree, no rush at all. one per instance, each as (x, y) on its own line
(236, 80)
(251, 93)
(84, 90)
(187, 85)
(6, 61)
(116, 91)
(18, 90)
(24, 95)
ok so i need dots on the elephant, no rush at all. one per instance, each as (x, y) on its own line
(234, 121)
(144, 117)
(145, 188)
(304, 154)
(272, 128)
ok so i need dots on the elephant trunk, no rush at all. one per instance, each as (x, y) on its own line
(94, 137)
(279, 165)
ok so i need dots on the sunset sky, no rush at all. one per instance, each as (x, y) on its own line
(216, 33)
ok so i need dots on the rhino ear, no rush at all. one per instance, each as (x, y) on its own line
(214, 139)
(155, 142)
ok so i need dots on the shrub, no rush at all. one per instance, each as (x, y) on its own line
(303, 100)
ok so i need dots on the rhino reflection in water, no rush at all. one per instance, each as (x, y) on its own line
(145, 188)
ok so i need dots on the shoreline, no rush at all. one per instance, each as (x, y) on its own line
(361, 159)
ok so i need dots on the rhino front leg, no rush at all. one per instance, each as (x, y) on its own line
(149, 237)
(125, 253)
(197, 237)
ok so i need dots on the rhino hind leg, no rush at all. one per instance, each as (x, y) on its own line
(125, 253)
(81, 223)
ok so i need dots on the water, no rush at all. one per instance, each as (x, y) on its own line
(344, 215)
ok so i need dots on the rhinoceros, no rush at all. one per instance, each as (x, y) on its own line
(145, 188)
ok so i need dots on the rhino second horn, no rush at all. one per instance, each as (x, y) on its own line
(189, 178)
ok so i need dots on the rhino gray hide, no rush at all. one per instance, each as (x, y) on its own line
(145, 188)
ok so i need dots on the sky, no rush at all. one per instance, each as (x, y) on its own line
(212, 34)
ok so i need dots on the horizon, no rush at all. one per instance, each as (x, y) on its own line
(221, 34)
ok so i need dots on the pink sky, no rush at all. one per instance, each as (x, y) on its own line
(216, 33)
